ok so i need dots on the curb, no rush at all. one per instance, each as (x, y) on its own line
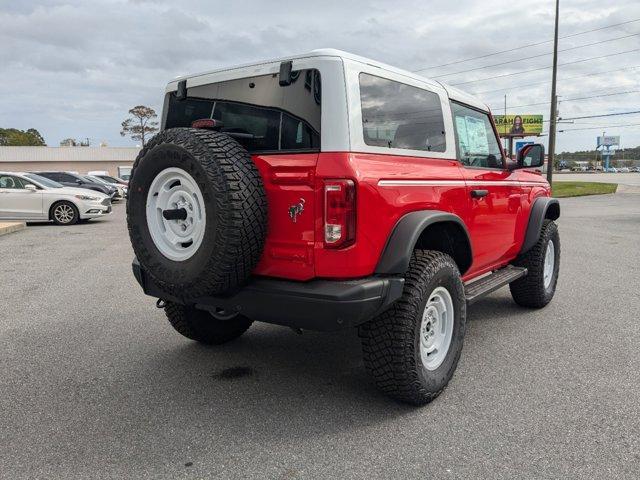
(9, 227)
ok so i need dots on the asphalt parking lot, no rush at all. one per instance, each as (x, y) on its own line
(96, 384)
(624, 179)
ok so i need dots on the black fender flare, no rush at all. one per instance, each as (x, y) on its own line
(542, 208)
(404, 237)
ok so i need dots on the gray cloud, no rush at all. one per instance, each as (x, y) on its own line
(73, 68)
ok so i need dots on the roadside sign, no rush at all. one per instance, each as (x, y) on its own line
(518, 125)
(608, 141)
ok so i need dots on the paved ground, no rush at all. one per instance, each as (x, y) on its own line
(95, 384)
(629, 179)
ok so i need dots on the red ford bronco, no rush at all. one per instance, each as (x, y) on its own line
(328, 191)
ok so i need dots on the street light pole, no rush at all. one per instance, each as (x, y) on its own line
(554, 99)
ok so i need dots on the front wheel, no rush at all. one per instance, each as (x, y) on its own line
(412, 349)
(64, 213)
(201, 326)
(542, 262)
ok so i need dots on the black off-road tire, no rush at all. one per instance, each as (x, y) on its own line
(202, 327)
(391, 342)
(235, 205)
(76, 215)
(529, 291)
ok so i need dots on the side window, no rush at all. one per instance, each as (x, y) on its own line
(477, 142)
(396, 115)
(65, 177)
(9, 181)
(52, 176)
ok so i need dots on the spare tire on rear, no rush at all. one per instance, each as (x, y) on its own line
(197, 212)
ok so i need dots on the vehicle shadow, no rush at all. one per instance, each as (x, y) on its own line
(81, 223)
(275, 378)
(495, 307)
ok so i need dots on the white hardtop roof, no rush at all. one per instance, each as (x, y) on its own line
(454, 93)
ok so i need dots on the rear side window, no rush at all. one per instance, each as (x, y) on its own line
(477, 142)
(396, 115)
(260, 113)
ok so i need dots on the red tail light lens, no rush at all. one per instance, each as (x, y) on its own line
(339, 213)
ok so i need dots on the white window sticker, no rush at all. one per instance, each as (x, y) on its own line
(477, 136)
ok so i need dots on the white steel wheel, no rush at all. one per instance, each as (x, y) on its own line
(176, 214)
(436, 328)
(64, 213)
(549, 264)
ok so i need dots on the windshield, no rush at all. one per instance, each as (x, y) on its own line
(91, 178)
(44, 182)
(110, 179)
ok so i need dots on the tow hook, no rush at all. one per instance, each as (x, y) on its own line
(160, 303)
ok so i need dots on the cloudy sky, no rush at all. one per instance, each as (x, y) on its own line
(73, 68)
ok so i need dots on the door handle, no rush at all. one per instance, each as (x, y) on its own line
(479, 193)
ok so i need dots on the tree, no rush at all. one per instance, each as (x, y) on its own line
(141, 123)
(69, 142)
(36, 135)
(72, 142)
(12, 137)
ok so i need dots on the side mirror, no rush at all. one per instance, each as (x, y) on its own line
(530, 156)
(79, 182)
(30, 187)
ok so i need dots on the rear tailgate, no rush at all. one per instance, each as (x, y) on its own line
(289, 181)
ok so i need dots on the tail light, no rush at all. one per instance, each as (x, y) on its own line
(339, 213)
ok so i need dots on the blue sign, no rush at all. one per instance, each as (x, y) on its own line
(519, 145)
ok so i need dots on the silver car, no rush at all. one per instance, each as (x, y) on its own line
(32, 198)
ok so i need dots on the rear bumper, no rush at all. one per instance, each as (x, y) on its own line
(322, 305)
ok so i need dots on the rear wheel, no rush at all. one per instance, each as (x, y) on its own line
(412, 349)
(203, 327)
(542, 262)
(64, 213)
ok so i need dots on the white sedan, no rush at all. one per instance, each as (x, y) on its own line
(32, 198)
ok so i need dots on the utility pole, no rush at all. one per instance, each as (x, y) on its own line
(554, 99)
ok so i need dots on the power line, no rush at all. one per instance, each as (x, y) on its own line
(525, 46)
(546, 68)
(593, 74)
(569, 99)
(603, 115)
(599, 127)
(534, 56)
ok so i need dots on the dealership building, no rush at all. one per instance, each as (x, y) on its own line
(115, 160)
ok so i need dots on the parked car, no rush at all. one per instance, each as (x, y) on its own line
(124, 173)
(623, 170)
(120, 193)
(68, 179)
(634, 169)
(32, 198)
(389, 202)
(113, 181)
(109, 178)
(612, 170)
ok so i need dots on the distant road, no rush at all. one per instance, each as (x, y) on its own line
(630, 179)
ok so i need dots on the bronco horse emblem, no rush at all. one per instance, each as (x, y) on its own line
(295, 210)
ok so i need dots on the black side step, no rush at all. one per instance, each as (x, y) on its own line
(479, 288)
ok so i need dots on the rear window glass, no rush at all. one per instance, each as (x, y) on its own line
(396, 115)
(260, 113)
